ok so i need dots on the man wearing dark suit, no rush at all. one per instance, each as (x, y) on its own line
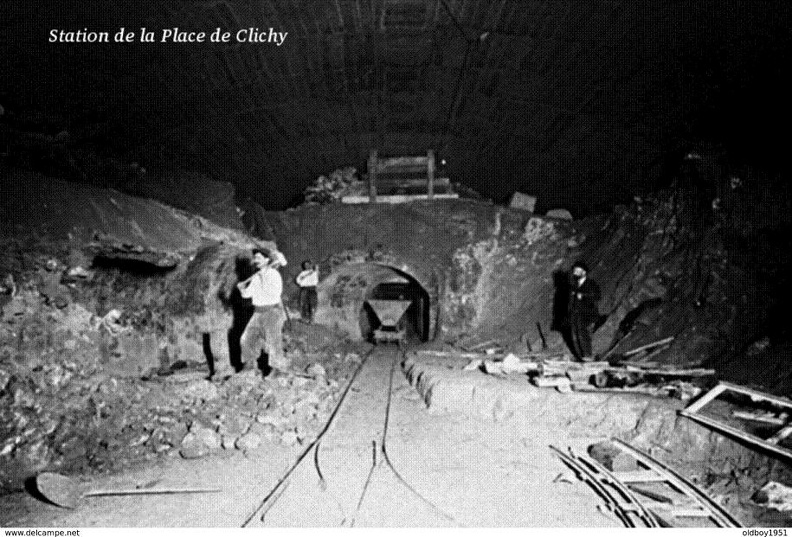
(584, 294)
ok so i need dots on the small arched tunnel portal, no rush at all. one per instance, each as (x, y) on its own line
(344, 296)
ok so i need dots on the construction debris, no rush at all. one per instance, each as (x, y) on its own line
(762, 417)
(523, 202)
(562, 214)
(510, 364)
(775, 496)
(110, 415)
(328, 189)
(548, 370)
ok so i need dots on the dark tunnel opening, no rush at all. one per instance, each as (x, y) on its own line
(415, 321)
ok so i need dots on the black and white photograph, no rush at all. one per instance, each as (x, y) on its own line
(414, 264)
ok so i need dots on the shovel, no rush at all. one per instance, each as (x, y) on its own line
(64, 492)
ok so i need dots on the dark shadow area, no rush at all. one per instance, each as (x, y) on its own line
(134, 267)
(242, 310)
(206, 342)
(560, 322)
(32, 489)
(368, 321)
(628, 323)
(262, 363)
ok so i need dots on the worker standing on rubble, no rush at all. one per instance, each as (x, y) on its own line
(308, 279)
(583, 312)
(265, 328)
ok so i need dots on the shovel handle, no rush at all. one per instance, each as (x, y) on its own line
(130, 492)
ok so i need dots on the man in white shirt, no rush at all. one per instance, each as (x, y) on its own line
(265, 328)
(308, 279)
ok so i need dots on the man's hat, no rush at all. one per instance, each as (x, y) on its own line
(580, 264)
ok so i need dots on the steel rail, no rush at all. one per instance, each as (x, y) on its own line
(273, 495)
(611, 502)
(719, 514)
(390, 463)
(648, 518)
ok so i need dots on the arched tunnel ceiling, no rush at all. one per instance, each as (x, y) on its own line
(576, 101)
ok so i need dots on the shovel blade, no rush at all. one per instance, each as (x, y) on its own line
(58, 489)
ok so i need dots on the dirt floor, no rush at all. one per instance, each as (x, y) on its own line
(440, 470)
(118, 328)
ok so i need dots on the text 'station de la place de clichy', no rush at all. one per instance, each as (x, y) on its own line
(169, 35)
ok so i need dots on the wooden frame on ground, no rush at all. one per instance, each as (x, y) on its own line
(769, 444)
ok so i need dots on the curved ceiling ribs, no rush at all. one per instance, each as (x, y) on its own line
(537, 95)
(399, 75)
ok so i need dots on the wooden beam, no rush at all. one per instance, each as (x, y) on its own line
(398, 162)
(430, 174)
(649, 346)
(756, 394)
(419, 168)
(706, 398)
(737, 433)
(780, 435)
(639, 476)
(372, 173)
(409, 183)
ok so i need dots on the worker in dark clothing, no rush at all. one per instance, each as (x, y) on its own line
(584, 293)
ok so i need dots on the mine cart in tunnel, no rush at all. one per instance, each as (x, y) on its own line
(390, 313)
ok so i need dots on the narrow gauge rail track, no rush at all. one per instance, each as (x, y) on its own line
(271, 498)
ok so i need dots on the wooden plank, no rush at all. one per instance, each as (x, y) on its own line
(649, 346)
(690, 512)
(372, 171)
(639, 476)
(403, 161)
(706, 398)
(653, 494)
(581, 366)
(407, 168)
(551, 382)
(780, 435)
(430, 173)
(664, 492)
(762, 418)
(395, 198)
(755, 394)
(742, 435)
(697, 372)
(456, 354)
(654, 392)
(390, 181)
(670, 510)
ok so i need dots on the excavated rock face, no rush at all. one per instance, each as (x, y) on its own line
(169, 274)
(101, 290)
(487, 270)
(668, 265)
(105, 288)
(418, 239)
